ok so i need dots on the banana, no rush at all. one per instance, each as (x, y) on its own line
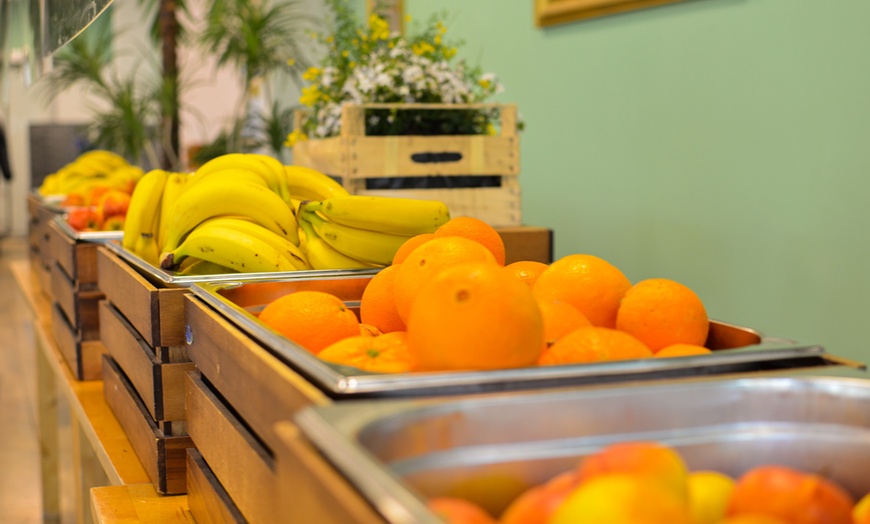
(305, 183)
(369, 246)
(231, 175)
(287, 248)
(206, 200)
(100, 157)
(144, 209)
(146, 248)
(323, 256)
(230, 248)
(399, 216)
(267, 167)
(203, 267)
(174, 186)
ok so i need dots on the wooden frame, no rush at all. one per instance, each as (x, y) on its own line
(552, 12)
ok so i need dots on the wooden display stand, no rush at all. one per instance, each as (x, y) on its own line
(142, 329)
(354, 157)
(40, 216)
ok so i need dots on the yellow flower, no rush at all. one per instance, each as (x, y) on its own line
(484, 83)
(345, 53)
(490, 129)
(310, 96)
(379, 28)
(311, 74)
(421, 48)
(437, 39)
(294, 138)
(291, 62)
(448, 53)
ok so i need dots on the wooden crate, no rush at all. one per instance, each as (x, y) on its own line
(354, 157)
(41, 215)
(319, 492)
(156, 313)
(241, 464)
(259, 387)
(208, 501)
(80, 306)
(82, 356)
(164, 457)
(77, 258)
(527, 243)
(156, 375)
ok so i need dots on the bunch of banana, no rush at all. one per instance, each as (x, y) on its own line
(89, 170)
(366, 231)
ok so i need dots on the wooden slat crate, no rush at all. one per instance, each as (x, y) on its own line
(159, 383)
(77, 258)
(527, 243)
(156, 313)
(82, 356)
(164, 457)
(80, 306)
(241, 464)
(354, 157)
(208, 501)
(41, 215)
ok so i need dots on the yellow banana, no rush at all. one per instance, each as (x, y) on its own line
(231, 175)
(363, 244)
(207, 199)
(323, 256)
(305, 183)
(107, 160)
(229, 248)
(144, 207)
(399, 216)
(295, 255)
(269, 168)
(146, 248)
(174, 186)
(203, 267)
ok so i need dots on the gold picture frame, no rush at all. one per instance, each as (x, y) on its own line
(552, 12)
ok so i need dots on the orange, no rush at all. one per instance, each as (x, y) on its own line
(383, 354)
(591, 284)
(378, 303)
(526, 271)
(661, 312)
(311, 319)
(454, 510)
(560, 318)
(477, 230)
(537, 504)
(368, 330)
(641, 458)
(594, 344)
(861, 511)
(474, 316)
(622, 498)
(410, 245)
(428, 260)
(682, 350)
(790, 495)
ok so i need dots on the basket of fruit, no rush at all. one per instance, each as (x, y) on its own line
(783, 449)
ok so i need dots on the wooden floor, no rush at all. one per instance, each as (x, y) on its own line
(20, 493)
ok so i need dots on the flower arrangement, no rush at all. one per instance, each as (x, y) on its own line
(373, 65)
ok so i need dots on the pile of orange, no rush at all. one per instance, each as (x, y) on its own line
(459, 307)
(647, 482)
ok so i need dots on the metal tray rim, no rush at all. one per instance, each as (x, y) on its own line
(85, 236)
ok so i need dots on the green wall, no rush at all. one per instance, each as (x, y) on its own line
(721, 143)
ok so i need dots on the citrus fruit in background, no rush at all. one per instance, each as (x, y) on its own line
(682, 350)
(477, 230)
(378, 303)
(454, 510)
(641, 459)
(560, 318)
(861, 511)
(474, 316)
(382, 354)
(537, 504)
(422, 264)
(311, 319)
(410, 245)
(623, 498)
(752, 519)
(526, 271)
(661, 312)
(709, 492)
(791, 495)
(594, 344)
(591, 284)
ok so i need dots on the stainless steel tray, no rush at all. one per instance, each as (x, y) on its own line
(85, 236)
(736, 349)
(170, 279)
(398, 453)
